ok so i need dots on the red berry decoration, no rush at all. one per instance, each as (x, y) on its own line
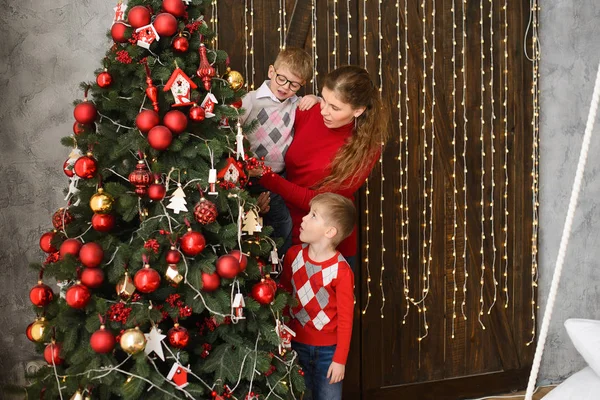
(41, 295)
(91, 254)
(46, 242)
(146, 280)
(61, 218)
(205, 212)
(139, 16)
(103, 222)
(102, 341)
(263, 292)
(173, 256)
(70, 246)
(197, 113)
(242, 259)
(165, 24)
(146, 120)
(228, 266)
(104, 79)
(118, 32)
(141, 178)
(85, 112)
(176, 121)
(192, 243)
(175, 7)
(181, 44)
(52, 354)
(86, 166)
(92, 277)
(210, 282)
(178, 336)
(160, 137)
(78, 296)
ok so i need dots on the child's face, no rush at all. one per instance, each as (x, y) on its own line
(335, 112)
(291, 82)
(314, 227)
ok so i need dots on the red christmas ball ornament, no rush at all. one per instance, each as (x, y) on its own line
(205, 212)
(156, 191)
(70, 246)
(146, 120)
(91, 254)
(139, 16)
(61, 218)
(242, 259)
(263, 292)
(118, 32)
(210, 282)
(197, 113)
(104, 79)
(78, 296)
(46, 242)
(146, 280)
(102, 341)
(68, 171)
(141, 178)
(173, 256)
(52, 354)
(237, 104)
(181, 44)
(85, 112)
(165, 24)
(178, 336)
(28, 332)
(192, 243)
(78, 128)
(228, 266)
(176, 121)
(271, 283)
(92, 277)
(103, 222)
(86, 166)
(41, 295)
(160, 137)
(175, 7)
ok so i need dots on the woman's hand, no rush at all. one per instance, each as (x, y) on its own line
(263, 202)
(308, 101)
(336, 372)
(256, 172)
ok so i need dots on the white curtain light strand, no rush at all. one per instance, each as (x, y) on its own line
(564, 241)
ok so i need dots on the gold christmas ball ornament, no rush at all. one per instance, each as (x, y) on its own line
(133, 341)
(38, 328)
(234, 78)
(101, 202)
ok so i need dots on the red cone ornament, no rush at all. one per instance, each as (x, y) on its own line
(92, 277)
(91, 254)
(228, 266)
(263, 292)
(210, 282)
(165, 24)
(176, 121)
(85, 112)
(181, 44)
(156, 191)
(205, 211)
(160, 137)
(146, 120)
(52, 354)
(46, 242)
(41, 295)
(102, 341)
(104, 79)
(61, 218)
(139, 16)
(103, 222)
(192, 243)
(86, 166)
(173, 256)
(70, 246)
(146, 280)
(197, 113)
(178, 336)
(141, 178)
(175, 7)
(78, 296)
(242, 259)
(118, 32)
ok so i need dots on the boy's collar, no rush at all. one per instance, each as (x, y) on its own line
(265, 91)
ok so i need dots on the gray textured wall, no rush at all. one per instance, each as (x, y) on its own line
(48, 47)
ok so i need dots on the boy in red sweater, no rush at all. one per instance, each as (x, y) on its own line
(323, 283)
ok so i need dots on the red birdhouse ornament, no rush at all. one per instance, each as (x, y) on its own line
(178, 375)
(181, 86)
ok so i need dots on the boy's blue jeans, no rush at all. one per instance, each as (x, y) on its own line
(280, 219)
(315, 362)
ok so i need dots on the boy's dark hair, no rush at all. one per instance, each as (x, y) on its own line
(339, 211)
(297, 60)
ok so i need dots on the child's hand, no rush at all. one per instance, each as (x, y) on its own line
(335, 373)
(263, 202)
(307, 102)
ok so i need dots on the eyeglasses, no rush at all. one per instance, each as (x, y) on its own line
(282, 81)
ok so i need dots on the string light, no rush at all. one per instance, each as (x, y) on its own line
(349, 34)
(280, 28)
(367, 191)
(314, 46)
(454, 191)
(464, 155)
(284, 23)
(382, 177)
(252, 41)
(505, 166)
(335, 33)
(246, 42)
(405, 211)
(215, 23)
(482, 139)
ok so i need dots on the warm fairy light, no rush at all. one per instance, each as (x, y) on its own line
(246, 42)
(252, 41)
(365, 52)
(280, 28)
(482, 139)
(382, 177)
(505, 166)
(314, 46)
(335, 33)
(367, 191)
(214, 19)
(284, 23)
(348, 35)
(464, 155)
(454, 190)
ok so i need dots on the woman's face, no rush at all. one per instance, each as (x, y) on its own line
(335, 112)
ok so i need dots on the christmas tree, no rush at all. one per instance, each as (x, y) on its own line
(160, 291)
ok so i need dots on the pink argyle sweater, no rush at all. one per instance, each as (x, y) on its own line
(325, 292)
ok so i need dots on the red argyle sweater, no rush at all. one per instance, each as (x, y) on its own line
(325, 292)
(307, 163)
